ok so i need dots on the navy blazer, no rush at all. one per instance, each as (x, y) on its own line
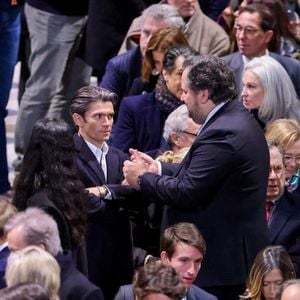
(139, 125)
(109, 245)
(291, 65)
(284, 227)
(220, 186)
(120, 72)
(194, 293)
(4, 253)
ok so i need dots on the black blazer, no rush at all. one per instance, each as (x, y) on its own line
(284, 227)
(220, 187)
(194, 293)
(109, 245)
(74, 285)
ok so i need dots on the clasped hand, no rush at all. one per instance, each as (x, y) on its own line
(139, 164)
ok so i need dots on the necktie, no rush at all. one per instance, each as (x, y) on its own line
(269, 205)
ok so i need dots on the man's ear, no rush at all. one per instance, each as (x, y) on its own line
(203, 96)
(268, 35)
(174, 137)
(164, 257)
(77, 119)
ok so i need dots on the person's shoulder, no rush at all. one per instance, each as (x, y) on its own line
(284, 60)
(195, 292)
(125, 292)
(231, 57)
(118, 152)
(136, 101)
(124, 58)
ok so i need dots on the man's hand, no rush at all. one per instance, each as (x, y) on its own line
(148, 160)
(132, 170)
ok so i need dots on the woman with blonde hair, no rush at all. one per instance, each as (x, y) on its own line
(271, 267)
(287, 133)
(34, 265)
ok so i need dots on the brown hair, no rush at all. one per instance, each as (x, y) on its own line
(186, 233)
(161, 41)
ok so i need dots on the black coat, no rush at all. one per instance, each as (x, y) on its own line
(109, 245)
(220, 187)
(108, 22)
(74, 285)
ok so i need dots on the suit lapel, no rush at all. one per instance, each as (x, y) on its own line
(112, 162)
(280, 217)
(89, 158)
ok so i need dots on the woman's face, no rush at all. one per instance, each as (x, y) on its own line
(253, 91)
(158, 57)
(271, 284)
(292, 159)
(173, 79)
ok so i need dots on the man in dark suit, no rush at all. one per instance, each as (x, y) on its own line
(183, 248)
(283, 210)
(33, 227)
(220, 186)
(255, 29)
(109, 245)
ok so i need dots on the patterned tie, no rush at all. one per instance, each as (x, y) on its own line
(269, 205)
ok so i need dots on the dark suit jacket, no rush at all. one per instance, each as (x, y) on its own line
(4, 253)
(220, 187)
(194, 293)
(109, 246)
(74, 285)
(284, 227)
(139, 125)
(292, 67)
(120, 72)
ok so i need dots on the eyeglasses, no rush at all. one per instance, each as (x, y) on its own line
(289, 158)
(278, 170)
(190, 133)
(248, 30)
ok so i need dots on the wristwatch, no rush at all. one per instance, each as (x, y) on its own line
(103, 191)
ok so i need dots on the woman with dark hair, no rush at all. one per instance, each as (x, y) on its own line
(141, 118)
(159, 42)
(271, 267)
(49, 180)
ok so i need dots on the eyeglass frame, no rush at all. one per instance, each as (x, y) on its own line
(187, 132)
(289, 157)
(248, 30)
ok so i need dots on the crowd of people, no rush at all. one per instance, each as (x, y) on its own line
(177, 175)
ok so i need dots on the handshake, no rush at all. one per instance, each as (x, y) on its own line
(139, 164)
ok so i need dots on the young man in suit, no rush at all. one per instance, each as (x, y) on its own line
(182, 247)
(282, 209)
(220, 186)
(109, 245)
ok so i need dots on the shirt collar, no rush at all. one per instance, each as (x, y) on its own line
(246, 60)
(95, 149)
(3, 246)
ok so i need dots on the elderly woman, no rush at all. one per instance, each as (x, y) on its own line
(34, 265)
(268, 91)
(287, 133)
(271, 267)
(159, 42)
(141, 118)
(180, 132)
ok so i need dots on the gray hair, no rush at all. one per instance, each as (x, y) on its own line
(176, 121)
(280, 98)
(275, 144)
(164, 12)
(37, 227)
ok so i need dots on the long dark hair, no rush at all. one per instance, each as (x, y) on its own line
(49, 163)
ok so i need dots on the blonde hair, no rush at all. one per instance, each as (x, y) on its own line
(34, 265)
(170, 157)
(7, 211)
(268, 259)
(285, 131)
